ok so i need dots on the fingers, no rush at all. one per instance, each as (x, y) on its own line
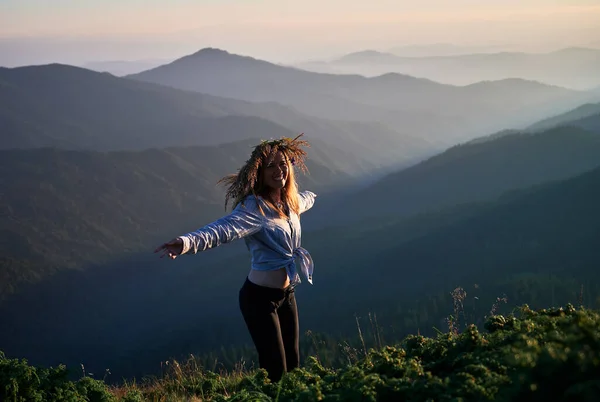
(164, 246)
(164, 250)
(171, 249)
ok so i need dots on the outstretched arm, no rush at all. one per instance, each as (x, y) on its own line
(242, 221)
(306, 200)
(239, 223)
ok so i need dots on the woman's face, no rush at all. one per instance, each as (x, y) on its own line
(275, 172)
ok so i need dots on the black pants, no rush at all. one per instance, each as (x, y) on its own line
(271, 316)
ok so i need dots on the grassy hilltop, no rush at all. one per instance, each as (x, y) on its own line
(530, 355)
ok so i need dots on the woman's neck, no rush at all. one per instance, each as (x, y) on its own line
(273, 195)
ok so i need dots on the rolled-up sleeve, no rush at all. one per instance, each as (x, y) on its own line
(242, 221)
(306, 200)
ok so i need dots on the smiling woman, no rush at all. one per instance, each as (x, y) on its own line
(267, 209)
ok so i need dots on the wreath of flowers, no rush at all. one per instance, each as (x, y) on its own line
(244, 182)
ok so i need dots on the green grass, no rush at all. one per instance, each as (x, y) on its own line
(526, 356)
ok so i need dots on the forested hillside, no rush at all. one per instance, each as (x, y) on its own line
(104, 206)
(481, 170)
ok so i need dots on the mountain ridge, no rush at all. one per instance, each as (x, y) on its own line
(75, 108)
(584, 111)
(455, 113)
(478, 170)
(573, 67)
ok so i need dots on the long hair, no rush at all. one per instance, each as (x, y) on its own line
(248, 180)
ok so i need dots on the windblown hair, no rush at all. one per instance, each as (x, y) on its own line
(248, 180)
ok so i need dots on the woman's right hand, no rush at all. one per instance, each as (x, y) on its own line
(172, 248)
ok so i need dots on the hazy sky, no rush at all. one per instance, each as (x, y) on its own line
(76, 31)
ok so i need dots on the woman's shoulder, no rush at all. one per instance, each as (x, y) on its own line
(307, 193)
(250, 202)
(307, 196)
(306, 200)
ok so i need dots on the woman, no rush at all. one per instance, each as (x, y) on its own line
(267, 206)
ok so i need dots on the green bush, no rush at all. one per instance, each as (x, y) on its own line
(94, 390)
(20, 382)
(133, 395)
(532, 356)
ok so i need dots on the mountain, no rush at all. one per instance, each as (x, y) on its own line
(479, 171)
(583, 112)
(542, 237)
(585, 116)
(445, 49)
(439, 113)
(69, 107)
(74, 108)
(550, 229)
(104, 206)
(122, 67)
(367, 56)
(219, 73)
(570, 67)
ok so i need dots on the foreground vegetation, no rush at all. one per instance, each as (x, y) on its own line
(530, 355)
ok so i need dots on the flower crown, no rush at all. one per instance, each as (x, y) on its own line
(244, 182)
(287, 145)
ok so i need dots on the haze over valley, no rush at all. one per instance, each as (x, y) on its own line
(574, 67)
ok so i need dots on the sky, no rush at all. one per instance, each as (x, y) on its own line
(284, 31)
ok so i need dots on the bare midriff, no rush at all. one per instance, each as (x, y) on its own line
(271, 279)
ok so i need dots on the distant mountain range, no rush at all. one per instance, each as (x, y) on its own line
(548, 230)
(446, 49)
(419, 107)
(123, 67)
(585, 116)
(74, 108)
(570, 67)
(484, 169)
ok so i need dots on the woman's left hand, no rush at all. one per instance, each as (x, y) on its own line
(172, 248)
